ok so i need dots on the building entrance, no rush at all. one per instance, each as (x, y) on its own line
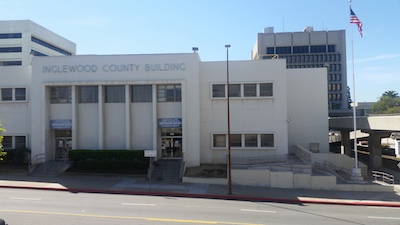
(63, 143)
(171, 142)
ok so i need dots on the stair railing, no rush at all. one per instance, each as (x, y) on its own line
(39, 158)
(63, 162)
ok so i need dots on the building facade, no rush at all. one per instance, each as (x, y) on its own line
(311, 49)
(21, 39)
(174, 104)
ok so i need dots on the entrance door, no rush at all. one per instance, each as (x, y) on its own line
(171, 147)
(63, 143)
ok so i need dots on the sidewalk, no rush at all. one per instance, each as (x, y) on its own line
(140, 186)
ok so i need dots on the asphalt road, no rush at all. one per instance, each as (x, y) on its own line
(28, 207)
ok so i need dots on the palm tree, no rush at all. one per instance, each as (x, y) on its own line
(392, 94)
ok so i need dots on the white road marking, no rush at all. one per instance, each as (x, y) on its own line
(30, 199)
(137, 204)
(382, 207)
(255, 210)
(384, 218)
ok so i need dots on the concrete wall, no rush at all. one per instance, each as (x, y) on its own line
(307, 116)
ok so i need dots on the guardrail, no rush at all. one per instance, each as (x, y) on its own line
(303, 154)
(384, 177)
(63, 162)
(39, 158)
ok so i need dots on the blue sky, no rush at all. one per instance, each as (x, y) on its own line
(175, 26)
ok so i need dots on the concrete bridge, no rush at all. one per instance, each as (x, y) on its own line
(377, 126)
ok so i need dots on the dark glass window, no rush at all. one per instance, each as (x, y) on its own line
(141, 93)
(218, 90)
(10, 35)
(6, 94)
(88, 94)
(10, 49)
(169, 93)
(50, 46)
(20, 142)
(20, 94)
(7, 142)
(284, 50)
(234, 90)
(266, 89)
(60, 95)
(267, 140)
(250, 90)
(270, 50)
(219, 140)
(300, 49)
(331, 48)
(236, 140)
(10, 63)
(317, 48)
(36, 53)
(115, 94)
(250, 140)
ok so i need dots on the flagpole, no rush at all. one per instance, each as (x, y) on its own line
(356, 173)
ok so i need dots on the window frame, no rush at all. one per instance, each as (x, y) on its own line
(88, 94)
(144, 93)
(241, 140)
(167, 94)
(114, 94)
(57, 94)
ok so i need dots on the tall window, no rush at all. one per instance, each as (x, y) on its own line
(266, 90)
(169, 93)
(88, 94)
(141, 93)
(115, 94)
(60, 94)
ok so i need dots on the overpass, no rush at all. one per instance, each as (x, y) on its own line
(377, 126)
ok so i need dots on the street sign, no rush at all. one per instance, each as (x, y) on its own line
(150, 153)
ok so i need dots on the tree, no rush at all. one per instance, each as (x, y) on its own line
(2, 153)
(388, 103)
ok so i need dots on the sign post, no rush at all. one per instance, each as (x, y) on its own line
(150, 154)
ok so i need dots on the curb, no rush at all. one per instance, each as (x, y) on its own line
(300, 200)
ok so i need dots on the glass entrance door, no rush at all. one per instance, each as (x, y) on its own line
(171, 142)
(63, 143)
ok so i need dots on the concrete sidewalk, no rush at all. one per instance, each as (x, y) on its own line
(140, 186)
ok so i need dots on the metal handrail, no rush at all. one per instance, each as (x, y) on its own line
(384, 177)
(36, 160)
(62, 163)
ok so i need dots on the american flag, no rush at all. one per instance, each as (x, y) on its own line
(354, 19)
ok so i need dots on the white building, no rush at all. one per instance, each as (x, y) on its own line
(172, 103)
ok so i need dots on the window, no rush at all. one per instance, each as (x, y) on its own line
(20, 94)
(10, 49)
(270, 50)
(300, 49)
(36, 53)
(6, 94)
(317, 48)
(331, 48)
(141, 93)
(20, 142)
(10, 63)
(115, 94)
(169, 93)
(10, 35)
(218, 90)
(266, 90)
(236, 140)
(88, 94)
(219, 140)
(267, 140)
(234, 90)
(60, 94)
(284, 50)
(250, 140)
(7, 142)
(50, 46)
(250, 90)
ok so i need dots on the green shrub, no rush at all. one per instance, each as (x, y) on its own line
(111, 166)
(106, 155)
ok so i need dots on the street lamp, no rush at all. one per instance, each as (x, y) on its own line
(229, 123)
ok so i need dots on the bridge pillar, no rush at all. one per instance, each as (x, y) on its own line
(375, 148)
(346, 143)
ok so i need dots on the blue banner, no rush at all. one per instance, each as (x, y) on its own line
(60, 124)
(169, 122)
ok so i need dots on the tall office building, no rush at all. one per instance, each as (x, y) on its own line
(21, 39)
(311, 49)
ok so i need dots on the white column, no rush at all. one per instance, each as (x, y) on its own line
(101, 119)
(127, 119)
(74, 118)
(155, 122)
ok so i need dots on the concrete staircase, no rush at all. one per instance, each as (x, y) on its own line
(168, 170)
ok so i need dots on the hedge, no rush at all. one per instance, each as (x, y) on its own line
(111, 166)
(107, 155)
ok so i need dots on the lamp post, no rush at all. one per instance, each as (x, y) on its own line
(229, 122)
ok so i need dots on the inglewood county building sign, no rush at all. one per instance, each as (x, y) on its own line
(132, 67)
